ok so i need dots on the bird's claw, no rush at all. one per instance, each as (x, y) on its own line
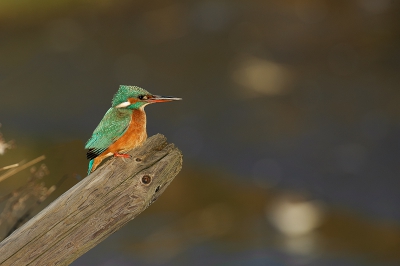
(123, 155)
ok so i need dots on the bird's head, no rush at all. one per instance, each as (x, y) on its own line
(133, 97)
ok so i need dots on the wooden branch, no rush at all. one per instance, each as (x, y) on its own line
(9, 166)
(95, 207)
(21, 167)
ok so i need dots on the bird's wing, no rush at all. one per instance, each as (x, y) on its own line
(113, 125)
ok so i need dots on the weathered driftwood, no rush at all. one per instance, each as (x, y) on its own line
(95, 207)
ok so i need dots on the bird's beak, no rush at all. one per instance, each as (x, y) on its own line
(161, 99)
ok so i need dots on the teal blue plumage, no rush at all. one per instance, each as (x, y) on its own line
(90, 166)
(111, 127)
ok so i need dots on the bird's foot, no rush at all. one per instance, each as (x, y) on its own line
(123, 155)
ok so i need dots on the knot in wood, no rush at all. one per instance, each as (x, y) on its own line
(146, 179)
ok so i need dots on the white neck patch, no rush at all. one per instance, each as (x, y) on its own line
(122, 105)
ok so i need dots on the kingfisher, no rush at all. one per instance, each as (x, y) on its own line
(123, 127)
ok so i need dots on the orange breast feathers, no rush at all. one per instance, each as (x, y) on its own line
(134, 136)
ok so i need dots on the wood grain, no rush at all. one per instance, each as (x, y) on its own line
(95, 207)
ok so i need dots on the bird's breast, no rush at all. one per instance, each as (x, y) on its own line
(134, 136)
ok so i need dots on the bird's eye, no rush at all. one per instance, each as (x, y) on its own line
(142, 97)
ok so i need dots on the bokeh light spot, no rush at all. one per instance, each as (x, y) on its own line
(262, 76)
(294, 215)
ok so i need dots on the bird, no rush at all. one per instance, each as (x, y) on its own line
(123, 127)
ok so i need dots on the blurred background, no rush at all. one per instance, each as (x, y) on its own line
(289, 125)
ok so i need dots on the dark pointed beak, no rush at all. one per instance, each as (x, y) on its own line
(161, 99)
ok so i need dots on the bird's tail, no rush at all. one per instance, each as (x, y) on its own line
(90, 166)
